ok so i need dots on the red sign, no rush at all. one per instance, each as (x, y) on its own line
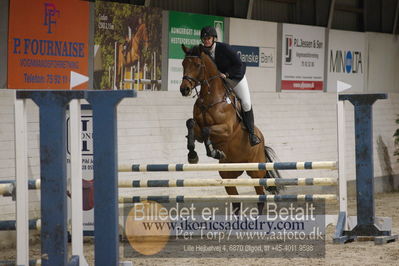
(48, 39)
(301, 85)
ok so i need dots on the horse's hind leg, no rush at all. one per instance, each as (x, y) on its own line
(259, 189)
(192, 154)
(270, 156)
(236, 206)
(273, 189)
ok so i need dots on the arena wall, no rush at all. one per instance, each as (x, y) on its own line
(151, 129)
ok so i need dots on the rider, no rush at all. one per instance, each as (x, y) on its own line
(232, 68)
(128, 38)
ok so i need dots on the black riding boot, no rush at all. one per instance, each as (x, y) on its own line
(248, 118)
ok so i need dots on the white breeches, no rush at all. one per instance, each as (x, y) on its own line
(242, 91)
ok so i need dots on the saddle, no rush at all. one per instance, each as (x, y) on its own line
(230, 94)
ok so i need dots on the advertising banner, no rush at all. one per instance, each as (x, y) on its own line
(255, 42)
(256, 56)
(48, 44)
(303, 50)
(127, 53)
(185, 28)
(346, 59)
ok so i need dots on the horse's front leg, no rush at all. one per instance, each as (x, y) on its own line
(210, 150)
(192, 154)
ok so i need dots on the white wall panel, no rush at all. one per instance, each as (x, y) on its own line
(258, 34)
(383, 50)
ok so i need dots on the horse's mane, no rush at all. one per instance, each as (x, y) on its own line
(142, 32)
(197, 50)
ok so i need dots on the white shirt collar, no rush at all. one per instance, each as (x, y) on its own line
(212, 50)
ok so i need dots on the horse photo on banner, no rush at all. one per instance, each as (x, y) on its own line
(127, 52)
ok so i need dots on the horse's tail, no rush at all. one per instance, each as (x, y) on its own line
(271, 157)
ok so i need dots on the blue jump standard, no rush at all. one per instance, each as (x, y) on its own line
(52, 110)
(364, 173)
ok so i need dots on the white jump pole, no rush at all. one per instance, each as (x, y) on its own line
(132, 80)
(232, 198)
(109, 76)
(115, 64)
(21, 175)
(145, 69)
(138, 75)
(342, 186)
(154, 71)
(76, 180)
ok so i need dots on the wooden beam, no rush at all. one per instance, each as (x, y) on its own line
(395, 23)
(249, 10)
(331, 14)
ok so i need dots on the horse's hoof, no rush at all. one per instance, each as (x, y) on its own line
(193, 161)
(236, 206)
(222, 156)
(192, 157)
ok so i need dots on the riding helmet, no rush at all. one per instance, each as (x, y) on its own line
(208, 31)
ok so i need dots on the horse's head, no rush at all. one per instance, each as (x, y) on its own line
(193, 69)
(142, 34)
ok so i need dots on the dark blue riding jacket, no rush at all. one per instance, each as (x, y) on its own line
(228, 61)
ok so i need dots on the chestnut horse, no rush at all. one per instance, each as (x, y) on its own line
(216, 123)
(134, 51)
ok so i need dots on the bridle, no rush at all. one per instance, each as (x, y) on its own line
(196, 82)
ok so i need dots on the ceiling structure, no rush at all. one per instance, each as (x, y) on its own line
(353, 15)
